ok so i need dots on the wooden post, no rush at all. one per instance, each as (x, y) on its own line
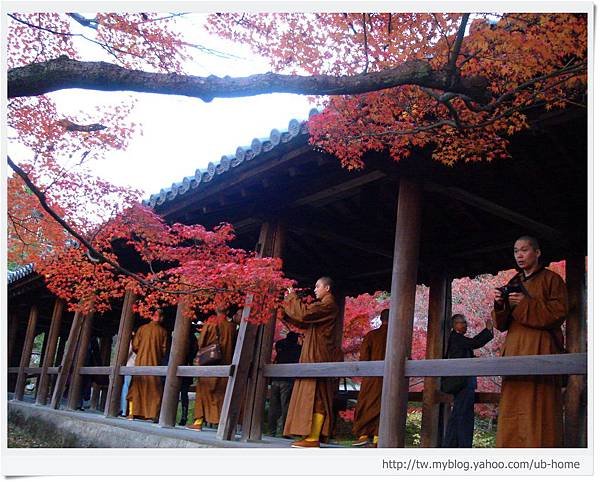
(82, 351)
(115, 381)
(438, 301)
(13, 328)
(42, 393)
(67, 361)
(237, 383)
(271, 245)
(13, 332)
(26, 353)
(394, 400)
(98, 389)
(177, 356)
(575, 406)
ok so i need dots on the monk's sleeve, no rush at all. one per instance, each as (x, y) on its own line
(501, 316)
(163, 345)
(135, 343)
(299, 312)
(544, 313)
(365, 349)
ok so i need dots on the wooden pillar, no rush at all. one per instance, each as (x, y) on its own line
(402, 308)
(575, 405)
(13, 332)
(42, 392)
(440, 297)
(13, 329)
(67, 360)
(115, 381)
(271, 245)
(177, 356)
(82, 351)
(26, 353)
(238, 380)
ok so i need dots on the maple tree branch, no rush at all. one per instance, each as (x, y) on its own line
(81, 20)
(93, 254)
(458, 43)
(365, 42)
(72, 127)
(64, 73)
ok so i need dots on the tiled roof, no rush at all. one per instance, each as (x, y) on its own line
(230, 162)
(20, 273)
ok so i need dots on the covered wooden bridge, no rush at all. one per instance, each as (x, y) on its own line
(387, 227)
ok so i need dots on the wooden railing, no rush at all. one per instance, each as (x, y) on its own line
(568, 364)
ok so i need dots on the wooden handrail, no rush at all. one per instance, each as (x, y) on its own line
(569, 364)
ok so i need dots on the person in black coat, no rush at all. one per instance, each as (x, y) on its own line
(459, 431)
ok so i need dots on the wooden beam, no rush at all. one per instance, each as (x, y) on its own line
(177, 356)
(82, 351)
(223, 371)
(405, 265)
(438, 299)
(237, 383)
(323, 233)
(532, 226)
(13, 347)
(13, 328)
(53, 332)
(326, 194)
(67, 360)
(115, 381)
(569, 363)
(257, 387)
(150, 370)
(575, 405)
(95, 370)
(394, 399)
(26, 353)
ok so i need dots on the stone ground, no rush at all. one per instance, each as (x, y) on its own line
(20, 438)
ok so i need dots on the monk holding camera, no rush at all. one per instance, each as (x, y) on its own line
(530, 411)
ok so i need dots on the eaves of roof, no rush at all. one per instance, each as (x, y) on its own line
(229, 163)
(20, 273)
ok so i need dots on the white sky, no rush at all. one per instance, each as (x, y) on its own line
(182, 134)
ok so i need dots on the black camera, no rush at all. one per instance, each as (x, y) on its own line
(508, 289)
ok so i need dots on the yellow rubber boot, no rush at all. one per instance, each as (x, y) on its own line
(199, 421)
(130, 413)
(375, 440)
(315, 428)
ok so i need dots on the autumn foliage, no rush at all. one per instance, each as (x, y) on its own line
(522, 62)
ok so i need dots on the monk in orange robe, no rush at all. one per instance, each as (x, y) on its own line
(310, 413)
(210, 392)
(530, 411)
(145, 392)
(366, 414)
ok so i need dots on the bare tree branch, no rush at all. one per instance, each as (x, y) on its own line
(65, 73)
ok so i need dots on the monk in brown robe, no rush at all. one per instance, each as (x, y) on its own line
(530, 411)
(310, 413)
(145, 392)
(210, 392)
(366, 414)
